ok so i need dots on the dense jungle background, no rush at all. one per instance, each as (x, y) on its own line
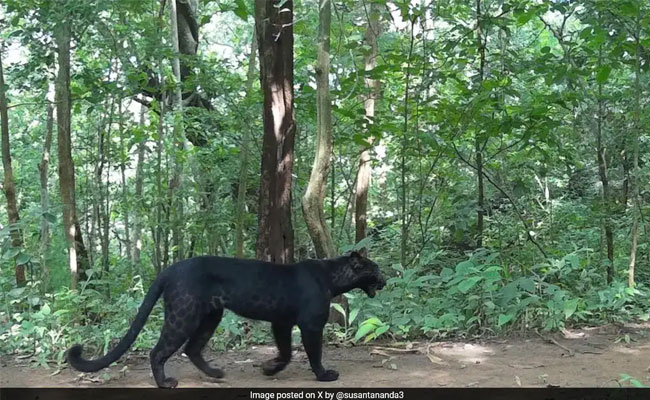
(491, 155)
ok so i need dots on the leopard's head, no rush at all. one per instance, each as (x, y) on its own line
(365, 273)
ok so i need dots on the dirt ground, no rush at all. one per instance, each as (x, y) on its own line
(594, 357)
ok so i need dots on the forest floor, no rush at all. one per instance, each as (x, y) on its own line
(590, 357)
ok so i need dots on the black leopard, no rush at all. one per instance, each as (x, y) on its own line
(197, 290)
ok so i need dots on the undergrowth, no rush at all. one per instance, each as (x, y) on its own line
(476, 297)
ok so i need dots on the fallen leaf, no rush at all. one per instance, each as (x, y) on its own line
(436, 360)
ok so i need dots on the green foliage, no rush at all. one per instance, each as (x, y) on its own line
(633, 381)
(46, 325)
(476, 297)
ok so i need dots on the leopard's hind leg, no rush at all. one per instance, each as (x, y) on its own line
(200, 338)
(183, 315)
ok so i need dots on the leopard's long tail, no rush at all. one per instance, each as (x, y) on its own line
(81, 364)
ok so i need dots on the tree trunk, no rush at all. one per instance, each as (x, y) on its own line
(9, 186)
(364, 173)
(602, 170)
(126, 203)
(240, 209)
(477, 142)
(405, 221)
(102, 200)
(312, 201)
(76, 262)
(45, 194)
(158, 231)
(176, 202)
(274, 27)
(634, 186)
(139, 180)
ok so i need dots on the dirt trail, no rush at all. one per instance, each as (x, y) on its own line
(597, 361)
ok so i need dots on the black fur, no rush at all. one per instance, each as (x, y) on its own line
(197, 290)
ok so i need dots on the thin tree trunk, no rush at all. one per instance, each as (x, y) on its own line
(176, 202)
(102, 200)
(312, 201)
(602, 170)
(76, 250)
(45, 194)
(274, 27)
(139, 180)
(240, 209)
(9, 185)
(477, 142)
(107, 200)
(126, 203)
(404, 196)
(158, 230)
(364, 173)
(636, 211)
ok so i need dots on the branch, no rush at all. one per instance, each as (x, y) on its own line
(500, 189)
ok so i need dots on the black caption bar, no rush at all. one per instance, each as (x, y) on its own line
(323, 394)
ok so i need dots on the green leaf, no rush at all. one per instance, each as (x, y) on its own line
(11, 253)
(603, 73)
(464, 267)
(504, 319)
(570, 307)
(241, 10)
(17, 292)
(23, 258)
(381, 330)
(465, 285)
(628, 8)
(526, 284)
(353, 315)
(339, 308)
(364, 330)
(51, 218)
(637, 383)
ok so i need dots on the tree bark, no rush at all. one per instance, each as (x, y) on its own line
(139, 181)
(102, 201)
(240, 209)
(159, 232)
(313, 199)
(602, 170)
(9, 186)
(176, 202)
(126, 203)
(404, 216)
(274, 27)
(634, 186)
(364, 173)
(477, 142)
(76, 250)
(45, 194)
